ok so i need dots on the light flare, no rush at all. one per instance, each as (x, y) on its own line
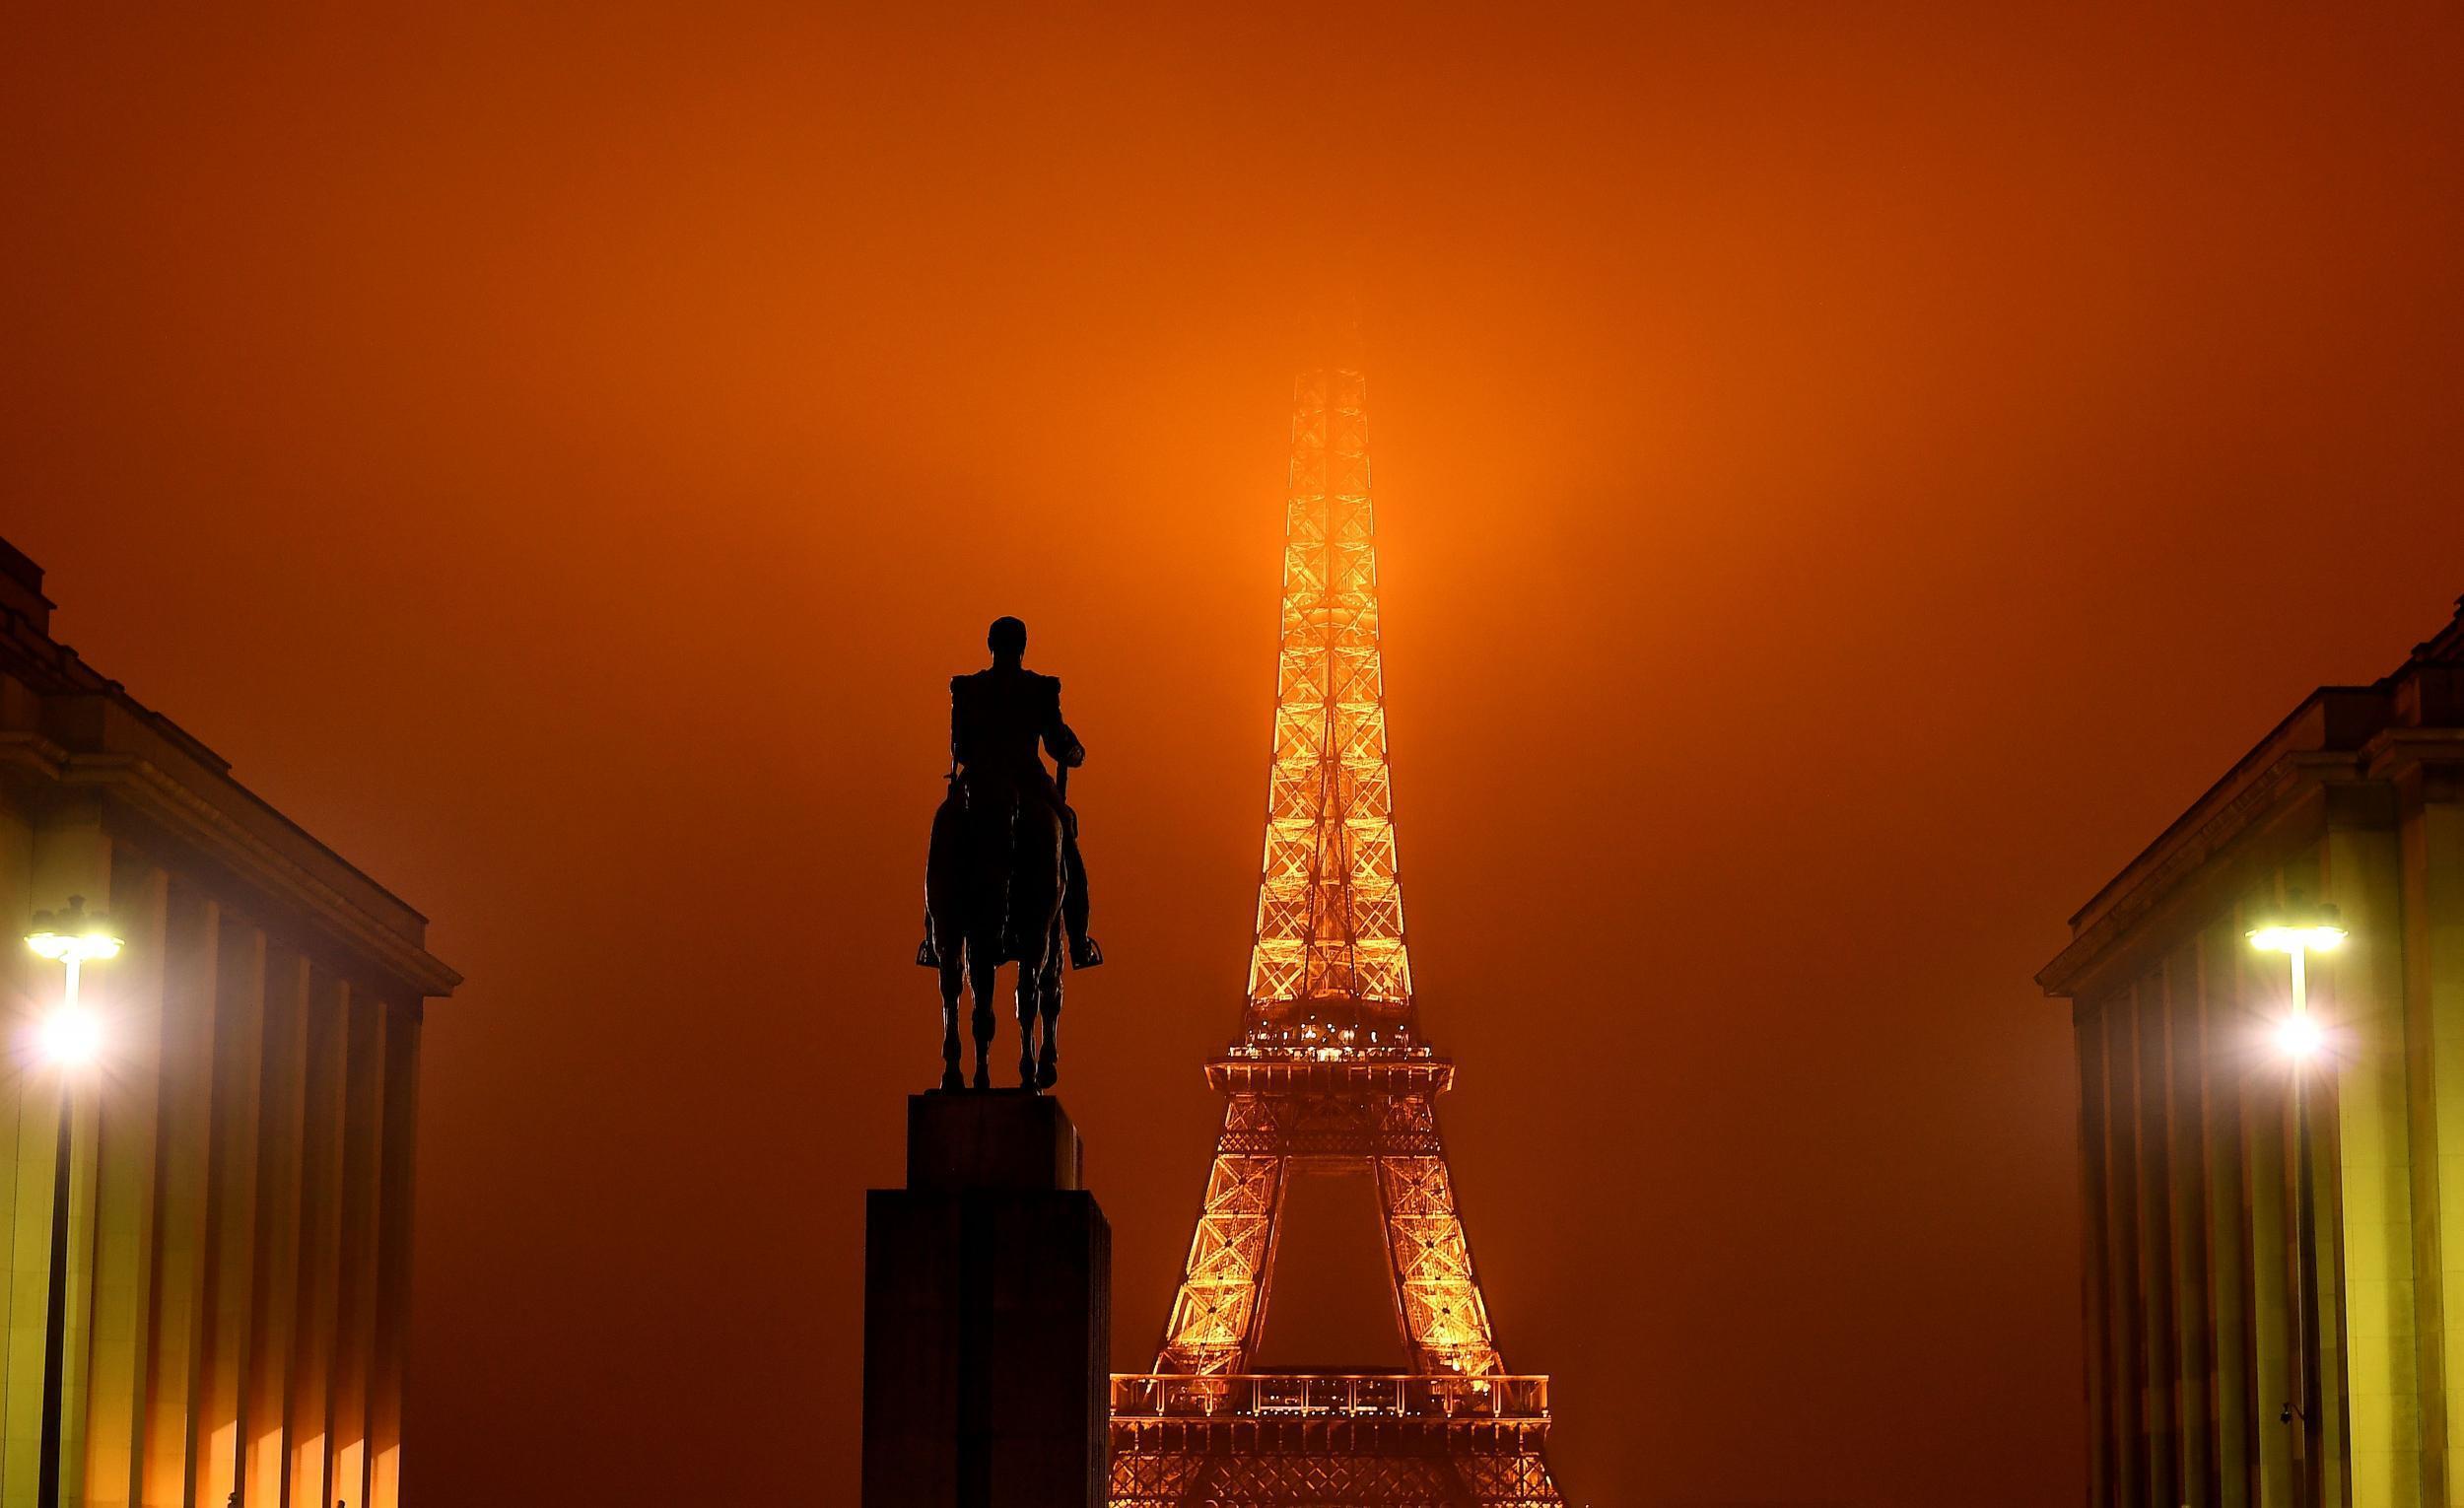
(2299, 1037)
(70, 1038)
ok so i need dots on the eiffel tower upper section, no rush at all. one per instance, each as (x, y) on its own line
(1330, 978)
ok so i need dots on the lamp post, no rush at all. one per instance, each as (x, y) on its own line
(2300, 933)
(68, 1039)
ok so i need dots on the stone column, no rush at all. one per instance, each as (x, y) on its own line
(988, 1297)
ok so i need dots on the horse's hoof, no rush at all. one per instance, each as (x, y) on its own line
(1047, 1074)
(984, 1077)
(1026, 1074)
(952, 1080)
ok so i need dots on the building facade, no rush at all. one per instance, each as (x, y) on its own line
(2236, 1353)
(213, 1309)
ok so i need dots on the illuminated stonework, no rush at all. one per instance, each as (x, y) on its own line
(1330, 1068)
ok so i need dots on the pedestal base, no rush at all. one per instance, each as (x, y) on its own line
(987, 1287)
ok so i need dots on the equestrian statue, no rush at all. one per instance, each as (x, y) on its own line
(1004, 881)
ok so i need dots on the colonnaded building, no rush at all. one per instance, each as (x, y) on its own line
(215, 1313)
(2270, 1002)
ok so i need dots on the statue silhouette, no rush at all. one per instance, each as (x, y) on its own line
(1004, 877)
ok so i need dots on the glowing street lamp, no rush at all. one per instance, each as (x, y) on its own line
(70, 1038)
(2298, 933)
(72, 939)
(2307, 931)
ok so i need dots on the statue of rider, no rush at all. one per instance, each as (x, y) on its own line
(998, 718)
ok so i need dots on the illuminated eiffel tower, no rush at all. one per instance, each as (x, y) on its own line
(1330, 1070)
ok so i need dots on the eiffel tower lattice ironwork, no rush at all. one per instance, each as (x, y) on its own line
(1330, 1068)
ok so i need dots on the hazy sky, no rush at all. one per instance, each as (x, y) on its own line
(1848, 479)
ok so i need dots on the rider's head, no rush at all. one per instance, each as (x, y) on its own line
(1007, 639)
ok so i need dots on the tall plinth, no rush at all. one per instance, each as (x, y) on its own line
(987, 1299)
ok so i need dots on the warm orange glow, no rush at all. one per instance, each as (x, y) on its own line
(1834, 471)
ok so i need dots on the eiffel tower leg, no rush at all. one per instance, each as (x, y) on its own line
(1445, 1321)
(1437, 1295)
(1221, 1306)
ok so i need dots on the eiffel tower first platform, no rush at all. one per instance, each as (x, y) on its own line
(1330, 1070)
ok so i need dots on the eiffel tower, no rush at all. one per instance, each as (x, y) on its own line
(1330, 1070)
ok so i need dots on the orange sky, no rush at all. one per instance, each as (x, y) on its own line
(1848, 478)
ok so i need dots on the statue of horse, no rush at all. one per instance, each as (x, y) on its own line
(993, 886)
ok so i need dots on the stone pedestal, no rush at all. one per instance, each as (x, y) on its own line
(988, 1309)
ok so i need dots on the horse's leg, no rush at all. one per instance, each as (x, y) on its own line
(953, 985)
(1035, 899)
(1026, 1028)
(983, 962)
(946, 877)
(1030, 973)
(1048, 1058)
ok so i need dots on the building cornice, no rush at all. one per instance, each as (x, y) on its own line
(2400, 749)
(2339, 735)
(195, 817)
(2191, 851)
